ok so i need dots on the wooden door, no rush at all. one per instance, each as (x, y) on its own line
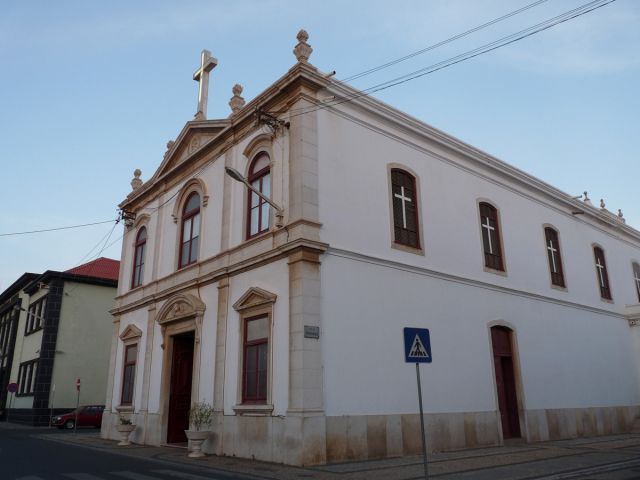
(505, 381)
(180, 388)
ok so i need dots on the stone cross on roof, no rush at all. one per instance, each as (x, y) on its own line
(207, 63)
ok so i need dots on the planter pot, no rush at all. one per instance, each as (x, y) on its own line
(125, 431)
(196, 439)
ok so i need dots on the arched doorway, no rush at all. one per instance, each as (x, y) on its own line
(180, 319)
(503, 362)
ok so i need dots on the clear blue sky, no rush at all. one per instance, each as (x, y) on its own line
(89, 91)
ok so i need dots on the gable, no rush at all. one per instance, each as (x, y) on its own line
(192, 139)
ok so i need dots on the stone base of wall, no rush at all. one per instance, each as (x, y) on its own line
(557, 424)
(316, 440)
(379, 436)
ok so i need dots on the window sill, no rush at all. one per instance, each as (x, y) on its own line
(31, 332)
(124, 409)
(607, 300)
(494, 271)
(407, 248)
(559, 288)
(255, 410)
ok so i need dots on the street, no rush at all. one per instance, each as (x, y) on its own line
(28, 453)
(25, 454)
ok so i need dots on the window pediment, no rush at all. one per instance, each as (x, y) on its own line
(254, 297)
(130, 333)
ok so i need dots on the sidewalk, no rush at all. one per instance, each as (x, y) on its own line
(561, 459)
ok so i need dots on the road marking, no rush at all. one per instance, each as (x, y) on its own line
(185, 476)
(134, 476)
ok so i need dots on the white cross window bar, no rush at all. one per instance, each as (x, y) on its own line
(403, 199)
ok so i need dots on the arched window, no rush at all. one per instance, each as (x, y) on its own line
(190, 232)
(552, 242)
(138, 258)
(636, 277)
(405, 208)
(601, 273)
(257, 208)
(491, 237)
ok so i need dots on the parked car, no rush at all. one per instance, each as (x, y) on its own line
(88, 416)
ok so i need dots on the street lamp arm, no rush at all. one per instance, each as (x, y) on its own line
(233, 173)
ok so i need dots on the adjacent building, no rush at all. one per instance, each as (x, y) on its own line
(285, 308)
(55, 329)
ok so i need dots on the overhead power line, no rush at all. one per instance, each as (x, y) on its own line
(504, 41)
(443, 42)
(56, 228)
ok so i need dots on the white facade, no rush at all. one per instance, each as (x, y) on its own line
(334, 264)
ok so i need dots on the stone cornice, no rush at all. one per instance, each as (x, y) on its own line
(229, 263)
(411, 126)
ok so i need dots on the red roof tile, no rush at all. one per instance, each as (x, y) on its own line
(101, 268)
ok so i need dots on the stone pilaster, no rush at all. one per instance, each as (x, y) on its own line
(220, 366)
(221, 342)
(108, 410)
(146, 373)
(303, 164)
(225, 230)
(306, 406)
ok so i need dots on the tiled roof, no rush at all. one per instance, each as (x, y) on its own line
(101, 268)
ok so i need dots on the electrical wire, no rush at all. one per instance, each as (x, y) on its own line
(56, 229)
(443, 42)
(504, 41)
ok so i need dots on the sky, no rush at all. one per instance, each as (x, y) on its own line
(90, 91)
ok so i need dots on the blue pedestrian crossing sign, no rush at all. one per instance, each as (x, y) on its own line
(417, 345)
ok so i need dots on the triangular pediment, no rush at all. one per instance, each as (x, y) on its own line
(254, 297)
(193, 138)
(130, 333)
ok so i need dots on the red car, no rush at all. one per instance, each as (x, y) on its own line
(88, 416)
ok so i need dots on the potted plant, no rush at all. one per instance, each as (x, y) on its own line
(200, 417)
(125, 427)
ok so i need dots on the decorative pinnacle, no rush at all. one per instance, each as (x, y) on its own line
(602, 205)
(136, 182)
(237, 102)
(587, 200)
(303, 50)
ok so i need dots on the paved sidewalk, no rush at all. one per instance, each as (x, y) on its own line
(578, 458)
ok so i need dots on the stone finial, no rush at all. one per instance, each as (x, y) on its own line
(169, 147)
(237, 102)
(587, 200)
(602, 204)
(303, 50)
(136, 182)
(621, 216)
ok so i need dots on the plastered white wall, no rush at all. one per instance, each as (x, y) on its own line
(569, 357)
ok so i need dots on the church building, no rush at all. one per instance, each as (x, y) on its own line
(272, 261)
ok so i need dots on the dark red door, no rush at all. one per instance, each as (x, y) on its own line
(180, 389)
(505, 381)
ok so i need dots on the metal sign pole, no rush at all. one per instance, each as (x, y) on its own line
(10, 402)
(75, 424)
(53, 396)
(424, 438)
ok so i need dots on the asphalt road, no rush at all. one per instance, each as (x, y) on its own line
(24, 456)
